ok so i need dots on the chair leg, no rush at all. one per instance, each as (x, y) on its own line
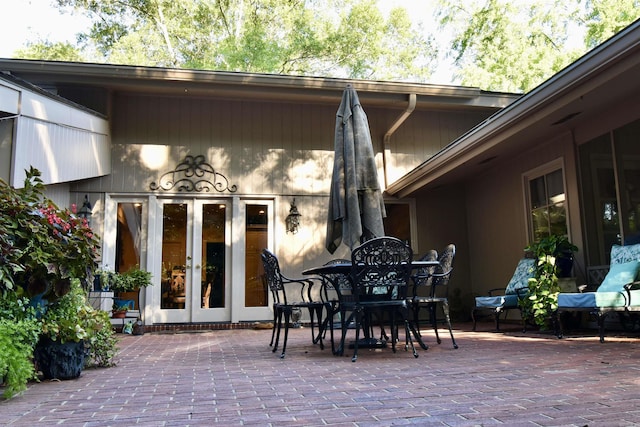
(273, 329)
(317, 313)
(345, 321)
(408, 332)
(287, 319)
(278, 325)
(414, 328)
(409, 328)
(473, 319)
(445, 309)
(415, 308)
(434, 321)
(358, 318)
(601, 318)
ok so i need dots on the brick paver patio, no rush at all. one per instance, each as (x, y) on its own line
(231, 378)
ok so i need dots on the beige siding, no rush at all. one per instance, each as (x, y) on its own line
(423, 135)
(263, 148)
(497, 218)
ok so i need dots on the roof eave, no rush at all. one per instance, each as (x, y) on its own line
(580, 75)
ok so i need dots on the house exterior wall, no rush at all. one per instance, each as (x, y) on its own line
(276, 150)
(496, 208)
(264, 148)
(270, 151)
(443, 219)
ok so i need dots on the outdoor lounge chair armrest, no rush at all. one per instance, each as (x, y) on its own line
(305, 283)
(628, 288)
(420, 276)
(522, 292)
(442, 274)
(491, 291)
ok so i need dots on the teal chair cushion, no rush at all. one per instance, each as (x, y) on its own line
(619, 275)
(623, 269)
(503, 301)
(624, 254)
(591, 300)
(524, 271)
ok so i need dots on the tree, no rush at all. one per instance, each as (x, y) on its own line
(348, 38)
(50, 51)
(604, 18)
(515, 46)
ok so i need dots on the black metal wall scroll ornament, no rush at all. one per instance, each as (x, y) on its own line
(194, 174)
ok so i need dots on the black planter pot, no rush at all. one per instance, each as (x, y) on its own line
(63, 361)
(564, 264)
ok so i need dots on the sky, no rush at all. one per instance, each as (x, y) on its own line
(34, 20)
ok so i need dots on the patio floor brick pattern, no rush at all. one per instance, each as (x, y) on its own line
(231, 378)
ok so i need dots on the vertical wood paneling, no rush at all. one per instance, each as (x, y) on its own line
(264, 148)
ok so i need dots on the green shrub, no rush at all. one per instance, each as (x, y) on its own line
(542, 300)
(102, 343)
(42, 247)
(69, 318)
(19, 331)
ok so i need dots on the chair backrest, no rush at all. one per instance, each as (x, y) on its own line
(443, 271)
(622, 254)
(525, 270)
(272, 276)
(623, 269)
(283, 289)
(423, 277)
(381, 269)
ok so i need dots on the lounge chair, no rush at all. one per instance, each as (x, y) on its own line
(619, 291)
(517, 287)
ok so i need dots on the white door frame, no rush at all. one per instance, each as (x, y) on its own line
(239, 312)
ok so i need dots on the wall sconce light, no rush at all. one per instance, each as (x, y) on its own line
(85, 211)
(293, 219)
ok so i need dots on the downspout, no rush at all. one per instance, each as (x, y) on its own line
(386, 151)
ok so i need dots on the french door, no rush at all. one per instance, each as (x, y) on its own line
(193, 239)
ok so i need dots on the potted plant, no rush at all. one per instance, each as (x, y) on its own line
(42, 246)
(119, 311)
(130, 282)
(47, 259)
(560, 248)
(65, 324)
(542, 299)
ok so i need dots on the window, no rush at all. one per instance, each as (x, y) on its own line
(546, 202)
(610, 186)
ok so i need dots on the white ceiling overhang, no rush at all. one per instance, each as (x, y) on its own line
(65, 142)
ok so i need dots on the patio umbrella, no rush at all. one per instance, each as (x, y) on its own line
(356, 207)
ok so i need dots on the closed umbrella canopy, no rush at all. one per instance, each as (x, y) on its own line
(356, 206)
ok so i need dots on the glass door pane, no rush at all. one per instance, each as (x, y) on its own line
(174, 291)
(128, 244)
(211, 280)
(256, 294)
(213, 255)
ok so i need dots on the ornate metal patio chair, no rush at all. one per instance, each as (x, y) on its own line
(619, 291)
(518, 287)
(335, 288)
(289, 295)
(380, 274)
(435, 280)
